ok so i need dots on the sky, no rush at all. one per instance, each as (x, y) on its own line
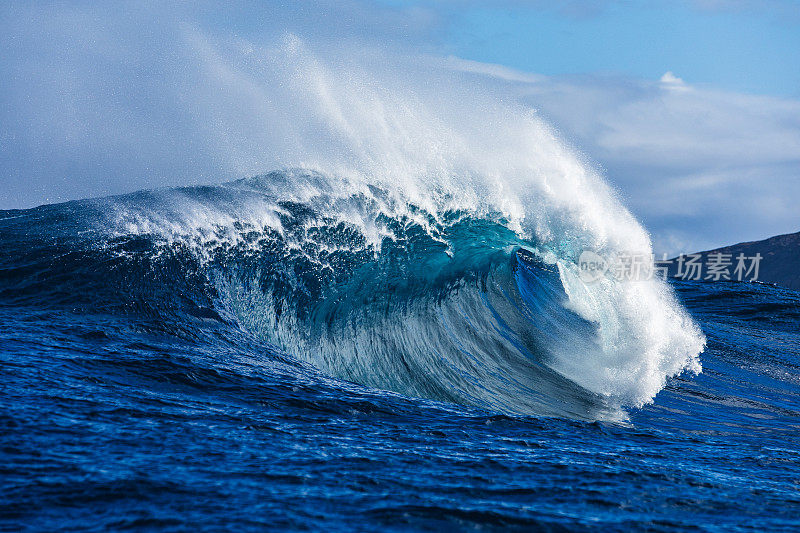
(691, 109)
(737, 46)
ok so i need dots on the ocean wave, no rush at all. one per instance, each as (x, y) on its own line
(457, 305)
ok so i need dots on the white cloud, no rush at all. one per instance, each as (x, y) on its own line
(672, 82)
(496, 71)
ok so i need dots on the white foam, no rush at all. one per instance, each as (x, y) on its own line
(436, 138)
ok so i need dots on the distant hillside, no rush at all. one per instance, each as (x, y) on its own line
(779, 264)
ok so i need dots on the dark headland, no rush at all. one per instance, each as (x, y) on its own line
(779, 263)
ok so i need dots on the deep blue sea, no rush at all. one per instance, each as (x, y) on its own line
(188, 360)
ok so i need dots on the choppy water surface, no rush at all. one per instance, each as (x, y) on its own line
(221, 357)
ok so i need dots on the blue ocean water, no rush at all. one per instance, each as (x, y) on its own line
(179, 359)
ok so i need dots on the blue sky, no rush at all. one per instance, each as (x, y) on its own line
(752, 49)
(690, 108)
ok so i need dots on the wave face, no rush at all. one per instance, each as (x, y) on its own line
(451, 304)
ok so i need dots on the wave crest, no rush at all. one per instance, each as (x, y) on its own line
(453, 305)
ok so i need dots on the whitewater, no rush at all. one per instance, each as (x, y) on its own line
(385, 158)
